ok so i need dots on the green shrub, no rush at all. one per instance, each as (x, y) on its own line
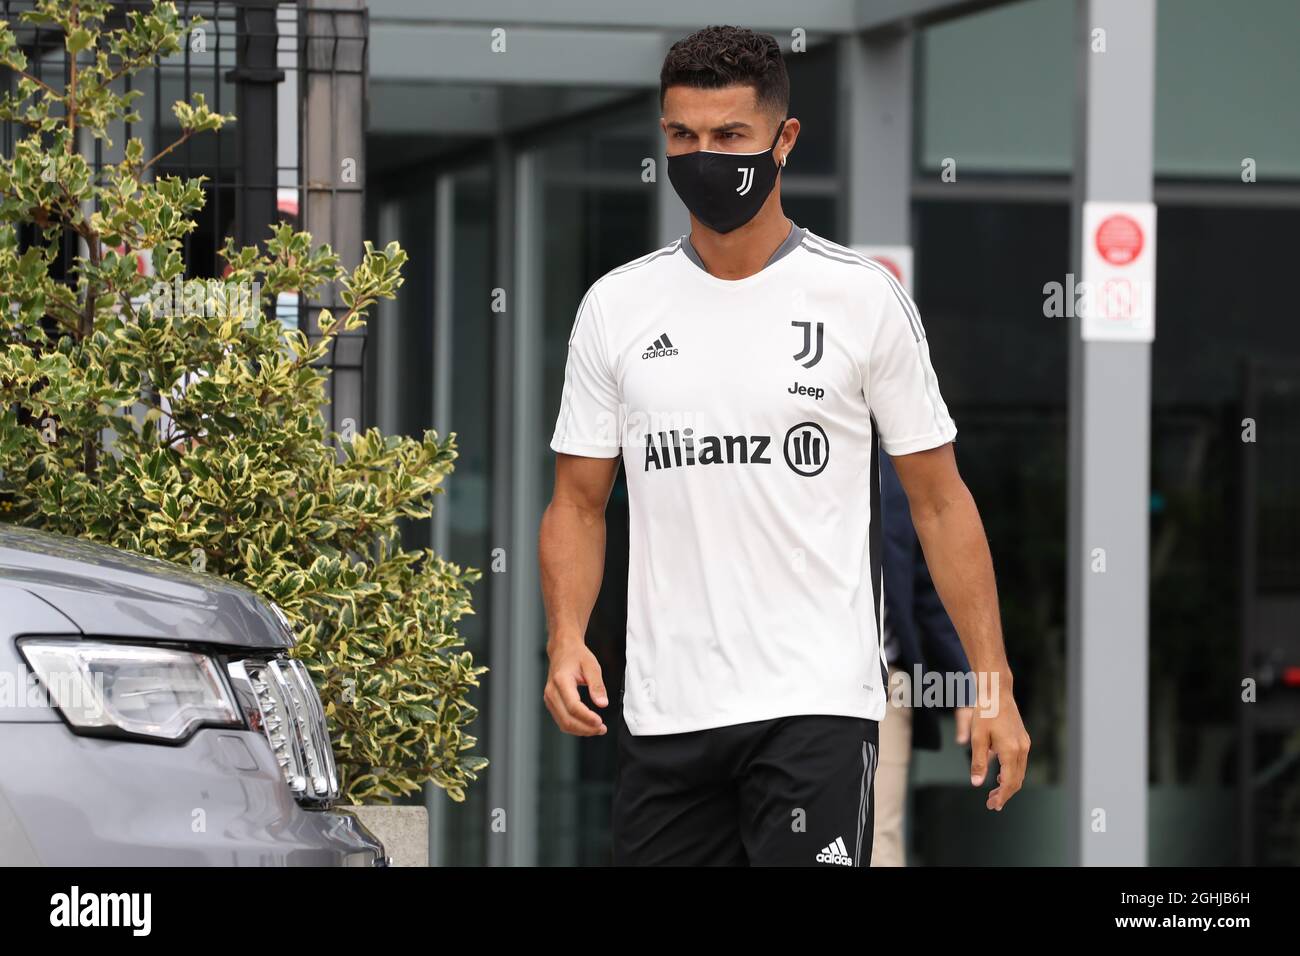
(189, 427)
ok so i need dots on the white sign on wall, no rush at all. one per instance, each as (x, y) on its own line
(1117, 301)
(897, 259)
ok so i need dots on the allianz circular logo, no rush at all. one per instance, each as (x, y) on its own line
(807, 449)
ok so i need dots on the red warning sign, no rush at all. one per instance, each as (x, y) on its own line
(1119, 239)
(1118, 244)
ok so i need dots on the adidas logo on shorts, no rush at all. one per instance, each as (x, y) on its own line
(837, 852)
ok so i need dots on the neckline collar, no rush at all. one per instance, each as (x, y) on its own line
(791, 242)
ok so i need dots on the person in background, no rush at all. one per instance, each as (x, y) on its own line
(917, 631)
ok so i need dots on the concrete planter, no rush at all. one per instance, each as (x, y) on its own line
(404, 831)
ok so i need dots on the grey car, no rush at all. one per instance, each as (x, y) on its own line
(150, 715)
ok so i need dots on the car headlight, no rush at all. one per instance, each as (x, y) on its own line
(155, 692)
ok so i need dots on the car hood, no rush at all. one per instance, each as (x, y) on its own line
(110, 593)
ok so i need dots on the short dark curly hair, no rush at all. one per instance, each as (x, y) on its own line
(715, 57)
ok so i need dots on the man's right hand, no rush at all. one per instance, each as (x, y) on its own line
(572, 664)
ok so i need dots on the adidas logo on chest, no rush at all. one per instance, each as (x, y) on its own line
(661, 347)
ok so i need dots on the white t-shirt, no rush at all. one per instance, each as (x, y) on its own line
(744, 413)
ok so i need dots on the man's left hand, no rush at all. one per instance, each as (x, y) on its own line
(997, 730)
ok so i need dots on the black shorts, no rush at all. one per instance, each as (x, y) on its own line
(794, 791)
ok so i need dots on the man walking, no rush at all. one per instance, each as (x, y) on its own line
(745, 374)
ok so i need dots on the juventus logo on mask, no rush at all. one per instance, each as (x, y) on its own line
(706, 181)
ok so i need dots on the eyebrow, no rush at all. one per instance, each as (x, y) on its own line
(724, 128)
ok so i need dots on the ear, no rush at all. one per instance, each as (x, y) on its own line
(785, 142)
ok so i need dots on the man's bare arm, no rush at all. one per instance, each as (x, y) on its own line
(572, 553)
(957, 553)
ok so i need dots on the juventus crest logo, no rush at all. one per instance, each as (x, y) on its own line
(746, 179)
(808, 345)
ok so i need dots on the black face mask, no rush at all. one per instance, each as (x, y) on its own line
(725, 190)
